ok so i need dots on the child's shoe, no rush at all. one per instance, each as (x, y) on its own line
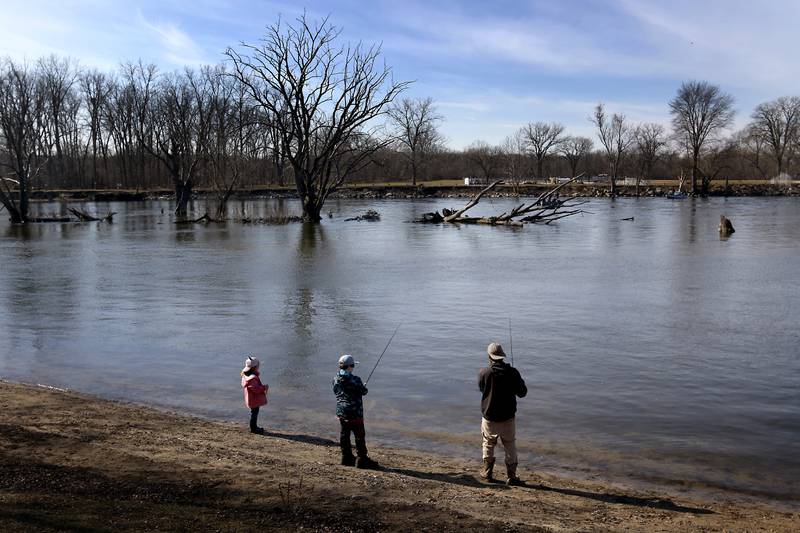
(367, 463)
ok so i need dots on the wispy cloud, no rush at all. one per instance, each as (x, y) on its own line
(473, 105)
(177, 46)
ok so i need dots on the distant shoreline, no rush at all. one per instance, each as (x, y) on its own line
(398, 191)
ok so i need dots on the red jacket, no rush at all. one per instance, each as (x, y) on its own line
(255, 393)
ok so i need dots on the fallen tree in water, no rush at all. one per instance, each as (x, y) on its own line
(546, 208)
(83, 216)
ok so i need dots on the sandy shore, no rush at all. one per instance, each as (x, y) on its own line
(79, 463)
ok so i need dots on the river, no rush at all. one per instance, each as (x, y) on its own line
(653, 349)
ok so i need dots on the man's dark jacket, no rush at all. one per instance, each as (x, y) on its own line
(500, 384)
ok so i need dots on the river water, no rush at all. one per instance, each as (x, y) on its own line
(653, 349)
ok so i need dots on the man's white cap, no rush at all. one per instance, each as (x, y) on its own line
(347, 360)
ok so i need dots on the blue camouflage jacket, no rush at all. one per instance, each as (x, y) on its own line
(349, 389)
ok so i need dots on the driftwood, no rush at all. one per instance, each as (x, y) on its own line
(270, 220)
(48, 219)
(204, 219)
(83, 216)
(371, 215)
(546, 208)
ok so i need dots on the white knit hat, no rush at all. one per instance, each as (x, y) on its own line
(251, 363)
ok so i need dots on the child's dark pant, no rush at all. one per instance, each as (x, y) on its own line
(253, 418)
(357, 428)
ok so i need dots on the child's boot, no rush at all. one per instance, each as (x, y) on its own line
(365, 462)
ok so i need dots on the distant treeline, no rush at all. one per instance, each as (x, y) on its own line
(65, 126)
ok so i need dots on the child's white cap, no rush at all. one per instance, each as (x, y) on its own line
(347, 360)
(251, 363)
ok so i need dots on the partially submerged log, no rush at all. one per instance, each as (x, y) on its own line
(269, 220)
(371, 215)
(48, 219)
(725, 226)
(546, 208)
(83, 216)
(203, 219)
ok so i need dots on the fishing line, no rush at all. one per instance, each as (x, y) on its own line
(383, 352)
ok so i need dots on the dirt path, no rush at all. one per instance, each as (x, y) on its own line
(74, 462)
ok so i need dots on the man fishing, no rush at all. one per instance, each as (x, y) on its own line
(500, 385)
(349, 390)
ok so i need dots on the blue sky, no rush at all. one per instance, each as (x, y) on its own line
(490, 66)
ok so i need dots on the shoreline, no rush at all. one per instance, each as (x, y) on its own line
(367, 191)
(74, 461)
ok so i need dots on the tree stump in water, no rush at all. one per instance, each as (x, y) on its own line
(725, 226)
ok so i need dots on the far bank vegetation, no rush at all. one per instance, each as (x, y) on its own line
(305, 110)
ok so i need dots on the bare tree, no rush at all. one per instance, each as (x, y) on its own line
(23, 131)
(514, 157)
(95, 90)
(719, 159)
(140, 98)
(58, 77)
(778, 123)
(174, 117)
(275, 141)
(751, 149)
(325, 99)
(119, 118)
(574, 149)
(415, 126)
(542, 138)
(650, 141)
(616, 136)
(699, 112)
(486, 157)
(234, 138)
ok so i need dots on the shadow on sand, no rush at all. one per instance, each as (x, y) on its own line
(464, 480)
(306, 439)
(623, 499)
(467, 480)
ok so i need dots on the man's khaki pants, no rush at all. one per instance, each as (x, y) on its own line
(506, 432)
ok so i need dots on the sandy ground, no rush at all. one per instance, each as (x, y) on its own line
(79, 463)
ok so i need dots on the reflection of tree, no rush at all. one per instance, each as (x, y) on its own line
(301, 304)
(42, 304)
(310, 237)
(321, 316)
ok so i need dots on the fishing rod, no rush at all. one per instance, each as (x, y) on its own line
(383, 352)
(511, 341)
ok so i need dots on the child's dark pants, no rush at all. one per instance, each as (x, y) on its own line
(356, 427)
(254, 418)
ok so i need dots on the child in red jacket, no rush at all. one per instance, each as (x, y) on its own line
(255, 393)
